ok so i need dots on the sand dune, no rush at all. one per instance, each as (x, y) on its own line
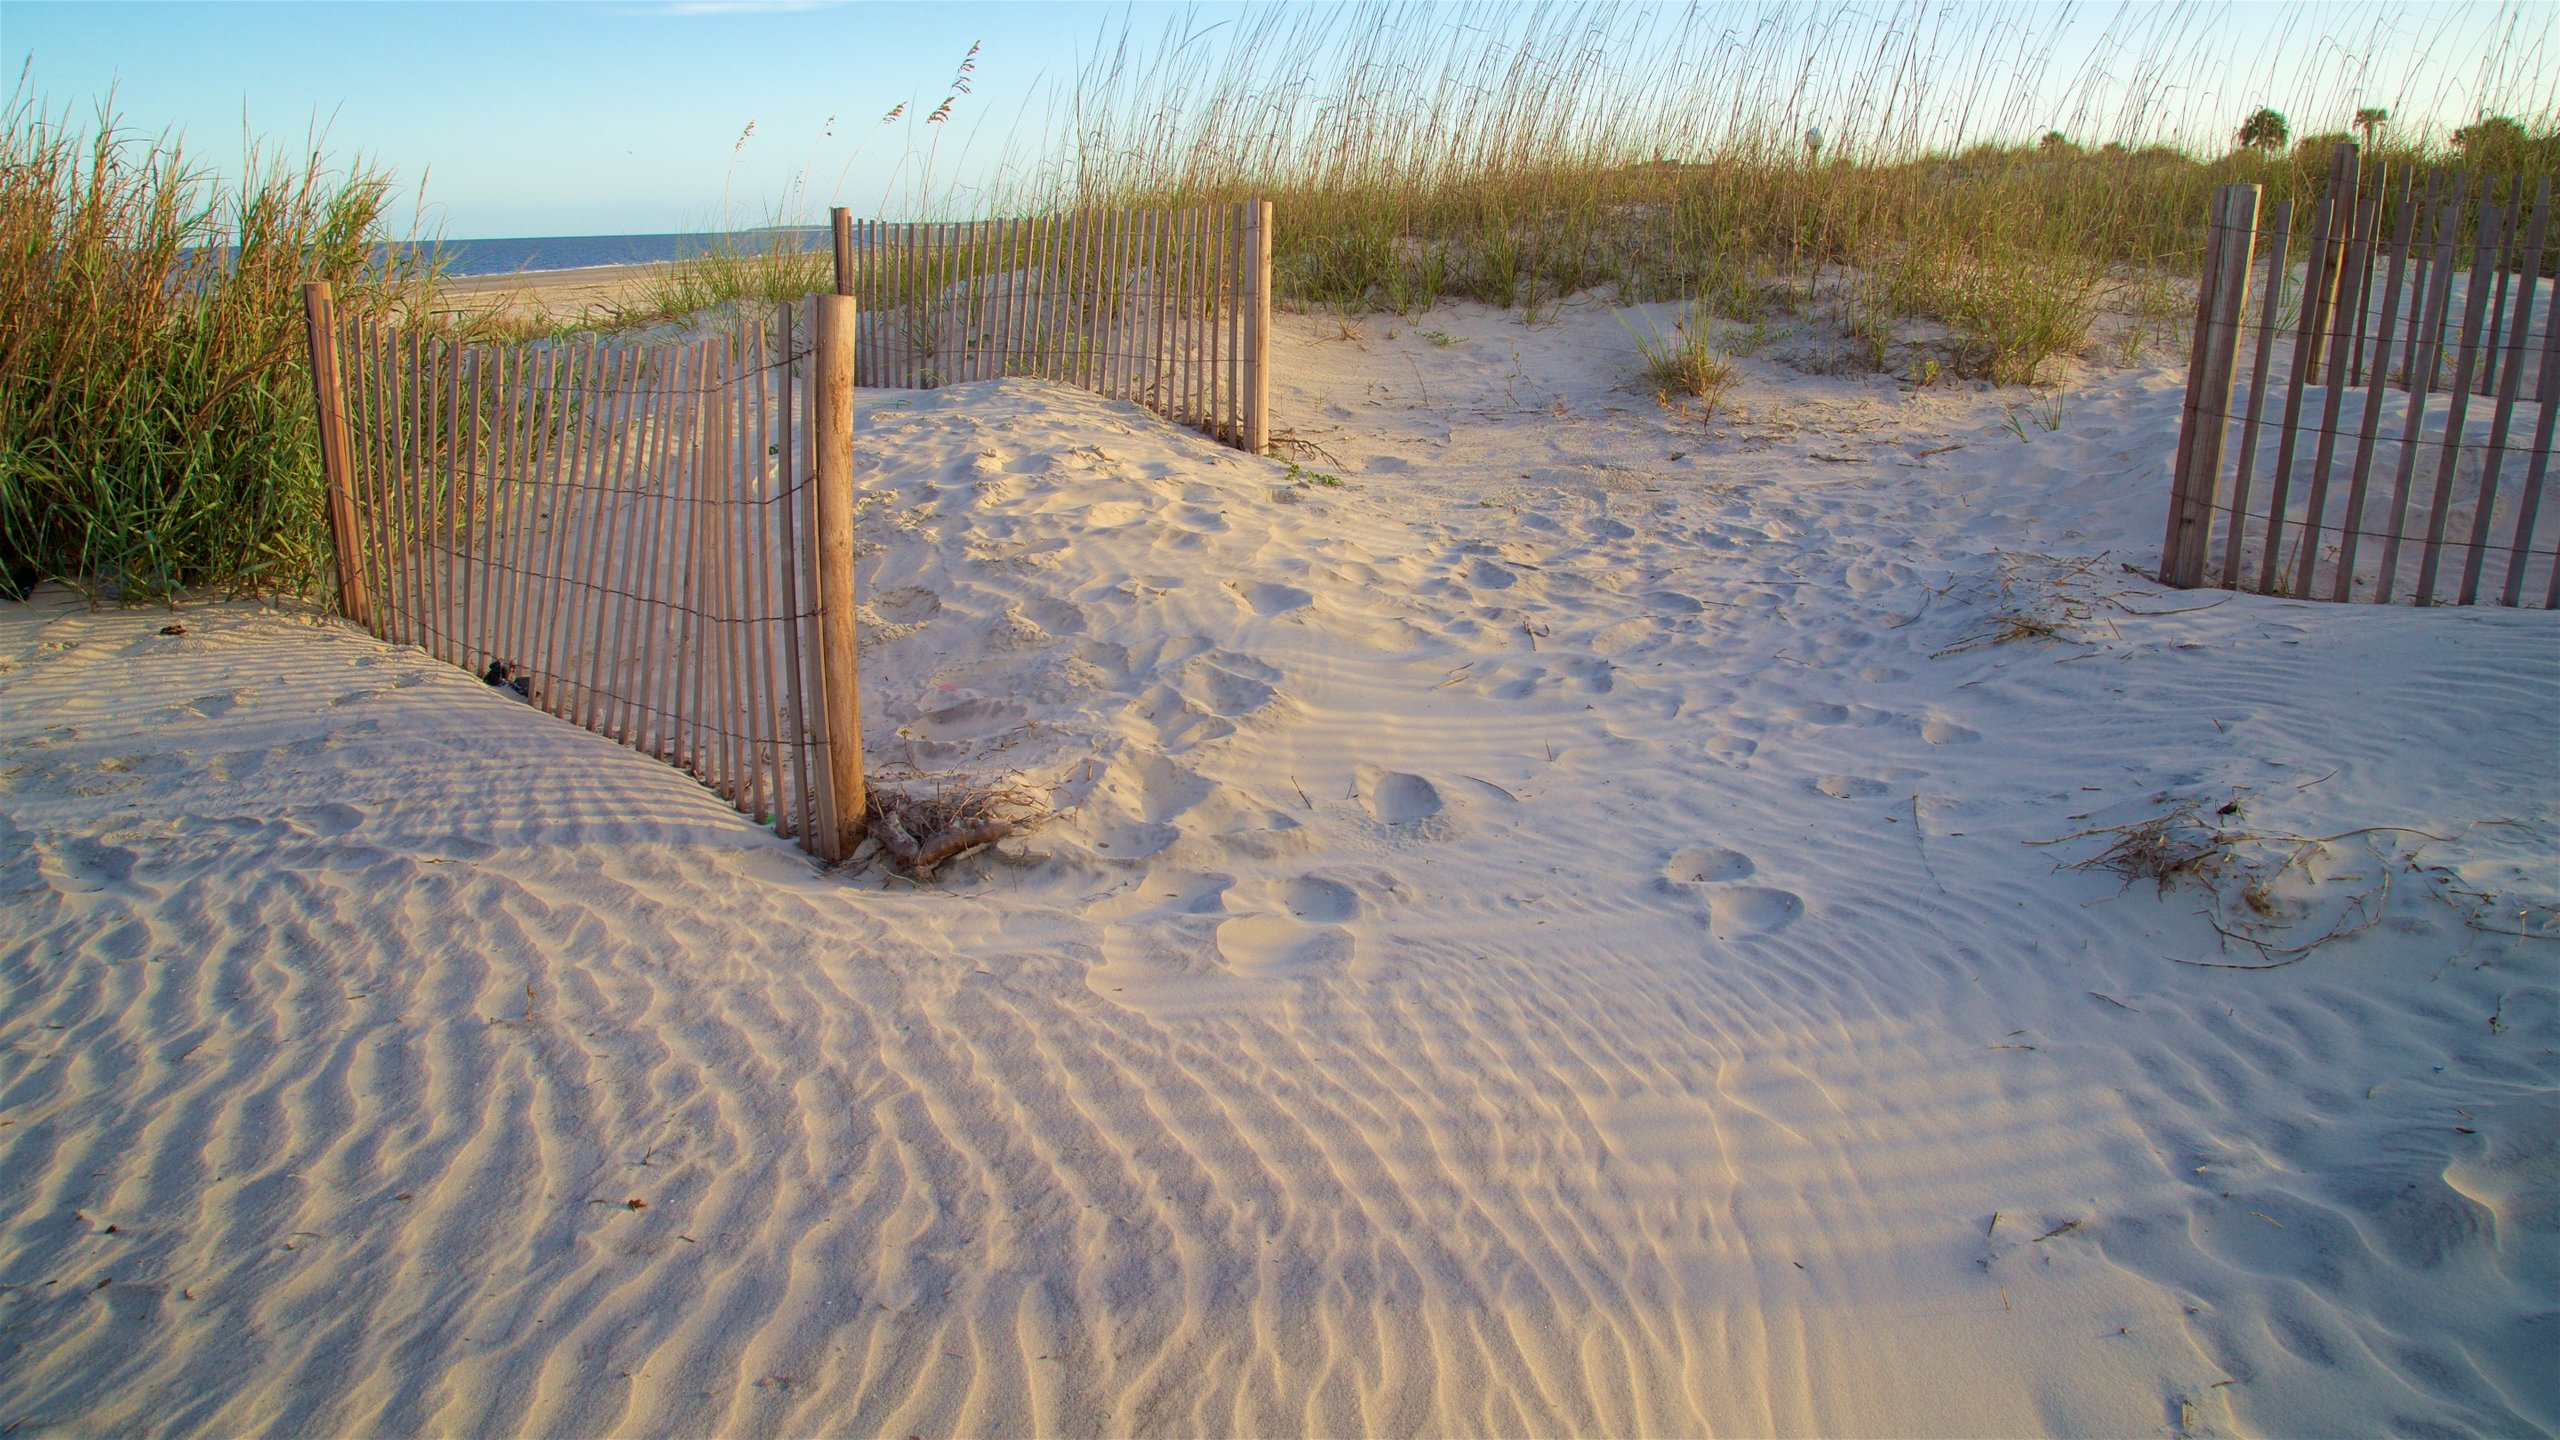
(1547, 935)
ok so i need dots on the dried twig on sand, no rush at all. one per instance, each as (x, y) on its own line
(918, 831)
(2244, 875)
(2037, 597)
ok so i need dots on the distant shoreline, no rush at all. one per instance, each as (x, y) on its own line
(561, 254)
(613, 276)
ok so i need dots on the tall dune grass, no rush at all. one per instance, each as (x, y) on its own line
(156, 422)
(1727, 155)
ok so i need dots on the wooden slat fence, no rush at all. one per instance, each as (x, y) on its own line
(1168, 309)
(631, 536)
(2404, 371)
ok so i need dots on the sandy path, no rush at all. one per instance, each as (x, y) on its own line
(1542, 938)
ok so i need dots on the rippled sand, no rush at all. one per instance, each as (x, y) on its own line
(1544, 936)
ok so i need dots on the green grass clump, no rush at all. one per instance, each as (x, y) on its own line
(765, 269)
(157, 431)
(1686, 363)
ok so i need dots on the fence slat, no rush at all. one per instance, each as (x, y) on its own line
(505, 438)
(787, 560)
(2487, 242)
(2304, 359)
(2419, 280)
(2380, 190)
(410, 397)
(368, 408)
(2279, 240)
(2529, 501)
(474, 389)
(2333, 399)
(2322, 301)
(2510, 193)
(595, 544)
(2421, 379)
(2509, 386)
(625, 717)
(724, 608)
(701, 452)
(761, 447)
(2377, 384)
(2236, 227)
(1257, 305)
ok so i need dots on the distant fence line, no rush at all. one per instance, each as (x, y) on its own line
(654, 542)
(2399, 341)
(1168, 309)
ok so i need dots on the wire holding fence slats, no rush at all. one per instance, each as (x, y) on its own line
(625, 535)
(1170, 310)
(2409, 366)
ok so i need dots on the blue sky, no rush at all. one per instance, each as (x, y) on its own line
(561, 118)
(524, 118)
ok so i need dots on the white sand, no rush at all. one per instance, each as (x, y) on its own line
(1544, 937)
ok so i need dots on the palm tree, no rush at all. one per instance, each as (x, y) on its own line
(2370, 120)
(2265, 130)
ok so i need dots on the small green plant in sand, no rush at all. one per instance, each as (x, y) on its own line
(1301, 475)
(1685, 363)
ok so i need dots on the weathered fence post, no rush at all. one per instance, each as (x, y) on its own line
(840, 220)
(2344, 172)
(320, 319)
(1257, 344)
(832, 425)
(2230, 245)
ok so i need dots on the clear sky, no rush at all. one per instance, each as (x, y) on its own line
(563, 118)
(598, 118)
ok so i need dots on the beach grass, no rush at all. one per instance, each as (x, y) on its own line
(1516, 155)
(156, 427)
(763, 268)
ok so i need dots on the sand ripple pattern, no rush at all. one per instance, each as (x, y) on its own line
(1564, 970)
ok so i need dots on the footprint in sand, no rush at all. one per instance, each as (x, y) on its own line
(910, 605)
(1947, 732)
(1734, 912)
(1732, 749)
(1742, 911)
(1228, 685)
(1277, 947)
(1275, 599)
(1312, 897)
(1849, 787)
(1705, 864)
(972, 718)
(1393, 797)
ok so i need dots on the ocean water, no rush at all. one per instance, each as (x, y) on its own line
(570, 252)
